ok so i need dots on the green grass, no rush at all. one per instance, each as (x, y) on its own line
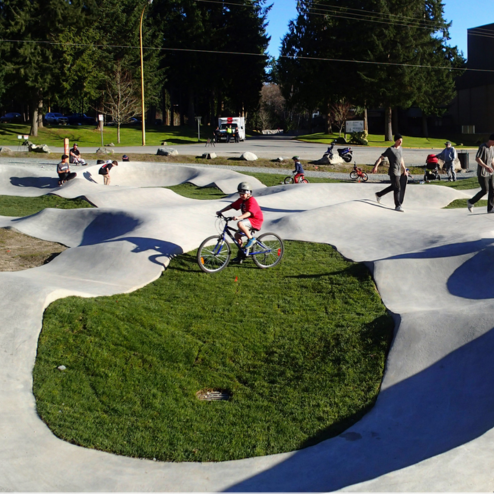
(463, 184)
(462, 204)
(377, 140)
(301, 347)
(89, 136)
(26, 206)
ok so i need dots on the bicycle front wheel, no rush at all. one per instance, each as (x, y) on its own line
(268, 251)
(214, 254)
(288, 180)
(364, 177)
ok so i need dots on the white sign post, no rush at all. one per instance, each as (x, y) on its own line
(100, 119)
(354, 126)
(198, 129)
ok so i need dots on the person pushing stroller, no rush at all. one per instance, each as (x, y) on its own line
(449, 155)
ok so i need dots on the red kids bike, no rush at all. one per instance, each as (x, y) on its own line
(358, 174)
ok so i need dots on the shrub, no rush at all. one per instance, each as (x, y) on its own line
(359, 138)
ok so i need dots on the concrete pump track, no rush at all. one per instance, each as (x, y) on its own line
(432, 426)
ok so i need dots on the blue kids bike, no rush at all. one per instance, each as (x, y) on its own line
(215, 252)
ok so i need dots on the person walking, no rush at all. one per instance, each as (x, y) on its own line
(448, 155)
(397, 173)
(485, 175)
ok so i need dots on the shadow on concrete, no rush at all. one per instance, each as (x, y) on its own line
(445, 406)
(35, 182)
(112, 227)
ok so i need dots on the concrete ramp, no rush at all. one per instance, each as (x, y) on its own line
(432, 426)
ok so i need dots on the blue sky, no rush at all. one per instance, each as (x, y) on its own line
(464, 14)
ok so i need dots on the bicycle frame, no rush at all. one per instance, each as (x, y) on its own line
(227, 230)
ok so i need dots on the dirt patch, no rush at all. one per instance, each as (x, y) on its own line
(19, 251)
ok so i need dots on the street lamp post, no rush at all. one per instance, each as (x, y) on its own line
(142, 78)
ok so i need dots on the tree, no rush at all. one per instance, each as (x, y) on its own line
(122, 98)
(395, 39)
(35, 66)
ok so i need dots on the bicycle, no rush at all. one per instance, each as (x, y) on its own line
(358, 174)
(215, 252)
(291, 179)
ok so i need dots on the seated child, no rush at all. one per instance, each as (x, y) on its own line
(251, 216)
(298, 169)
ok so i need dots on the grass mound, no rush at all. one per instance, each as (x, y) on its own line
(26, 206)
(300, 348)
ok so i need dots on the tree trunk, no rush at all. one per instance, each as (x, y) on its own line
(396, 124)
(425, 126)
(329, 120)
(37, 103)
(152, 114)
(388, 122)
(190, 108)
(118, 132)
(366, 123)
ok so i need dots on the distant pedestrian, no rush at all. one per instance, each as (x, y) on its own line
(448, 155)
(105, 170)
(485, 170)
(236, 135)
(397, 173)
(229, 133)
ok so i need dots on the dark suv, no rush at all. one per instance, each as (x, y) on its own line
(11, 117)
(81, 118)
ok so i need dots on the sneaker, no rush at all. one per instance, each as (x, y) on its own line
(250, 243)
(491, 211)
(469, 206)
(378, 198)
(399, 208)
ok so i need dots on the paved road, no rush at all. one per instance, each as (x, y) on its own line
(272, 147)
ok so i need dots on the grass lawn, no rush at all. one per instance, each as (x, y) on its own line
(377, 140)
(88, 135)
(25, 206)
(301, 349)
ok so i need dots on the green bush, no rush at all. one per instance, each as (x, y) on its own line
(359, 138)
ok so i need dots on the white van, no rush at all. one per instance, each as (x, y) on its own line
(234, 123)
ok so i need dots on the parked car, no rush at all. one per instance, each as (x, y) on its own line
(11, 117)
(56, 119)
(81, 118)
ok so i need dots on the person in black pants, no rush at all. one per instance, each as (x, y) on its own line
(397, 173)
(485, 175)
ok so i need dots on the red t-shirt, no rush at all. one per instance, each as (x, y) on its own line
(250, 205)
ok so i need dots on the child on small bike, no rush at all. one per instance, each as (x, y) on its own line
(299, 170)
(251, 216)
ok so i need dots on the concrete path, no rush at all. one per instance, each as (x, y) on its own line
(432, 426)
(272, 147)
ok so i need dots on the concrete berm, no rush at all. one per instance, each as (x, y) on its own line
(432, 426)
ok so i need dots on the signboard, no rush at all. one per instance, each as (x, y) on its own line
(354, 126)
(100, 117)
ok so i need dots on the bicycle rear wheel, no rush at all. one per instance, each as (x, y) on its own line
(268, 251)
(214, 254)
(304, 181)
(353, 175)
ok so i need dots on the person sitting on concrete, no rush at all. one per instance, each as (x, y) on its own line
(448, 155)
(105, 170)
(76, 156)
(299, 170)
(63, 170)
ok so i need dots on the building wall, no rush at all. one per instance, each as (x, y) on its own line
(475, 106)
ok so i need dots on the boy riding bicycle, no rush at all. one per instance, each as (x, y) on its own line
(251, 217)
(299, 170)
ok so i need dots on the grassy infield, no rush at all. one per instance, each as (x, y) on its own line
(301, 348)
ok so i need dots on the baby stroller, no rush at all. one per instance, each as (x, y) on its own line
(431, 168)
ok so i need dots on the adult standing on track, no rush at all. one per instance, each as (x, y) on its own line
(485, 170)
(397, 173)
